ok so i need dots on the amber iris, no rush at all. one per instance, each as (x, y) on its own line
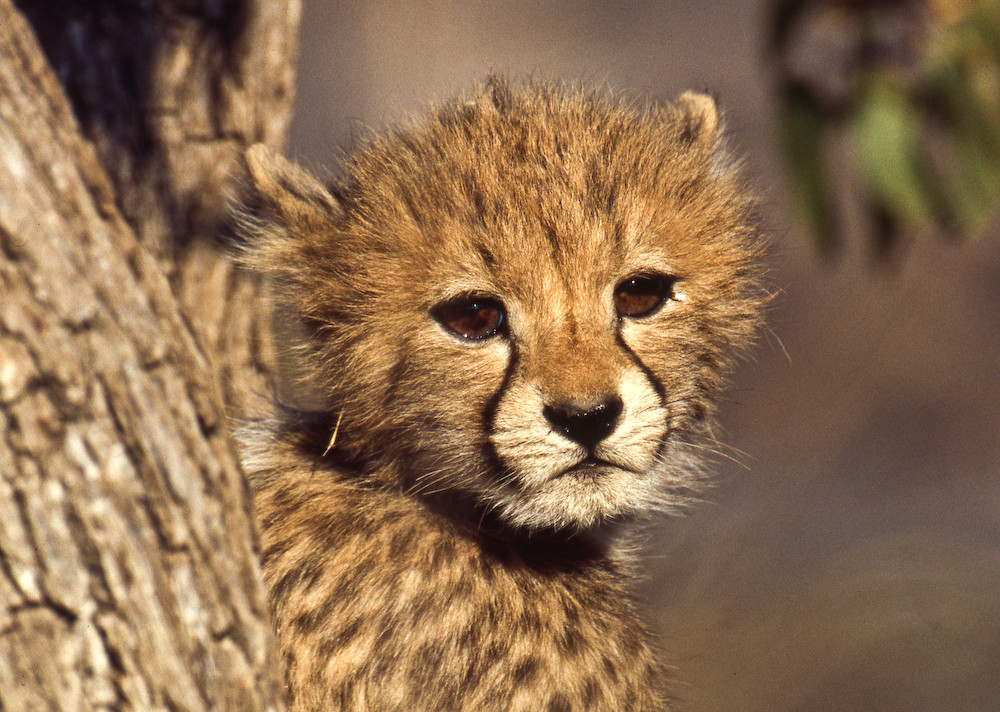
(471, 316)
(642, 294)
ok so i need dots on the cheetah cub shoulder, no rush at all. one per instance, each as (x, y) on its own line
(518, 313)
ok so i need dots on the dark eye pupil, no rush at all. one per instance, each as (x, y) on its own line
(477, 319)
(471, 317)
(642, 294)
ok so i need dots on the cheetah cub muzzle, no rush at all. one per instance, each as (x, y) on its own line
(518, 312)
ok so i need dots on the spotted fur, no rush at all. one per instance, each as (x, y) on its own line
(434, 538)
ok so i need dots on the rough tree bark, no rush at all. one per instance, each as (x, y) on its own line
(128, 578)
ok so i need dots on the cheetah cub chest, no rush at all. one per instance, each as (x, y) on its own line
(518, 313)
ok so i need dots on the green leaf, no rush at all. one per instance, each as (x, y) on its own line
(886, 132)
(802, 127)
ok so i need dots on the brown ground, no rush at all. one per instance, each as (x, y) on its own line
(854, 562)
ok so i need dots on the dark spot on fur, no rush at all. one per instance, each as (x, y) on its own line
(570, 641)
(572, 615)
(469, 637)
(397, 373)
(488, 259)
(426, 661)
(474, 191)
(472, 674)
(295, 580)
(529, 621)
(306, 623)
(447, 698)
(617, 238)
(558, 703)
(384, 637)
(347, 696)
(347, 587)
(610, 669)
(400, 542)
(463, 587)
(494, 653)
(485, 569)
(422, 609)
(709, 360)
(384, 665)
(274, 552)
(684, 190)
(552, 236)
(285, 501)
(525, 671)
(342, 638)
(442, 554)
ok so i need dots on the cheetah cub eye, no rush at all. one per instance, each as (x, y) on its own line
(643, 294)
(474, 317)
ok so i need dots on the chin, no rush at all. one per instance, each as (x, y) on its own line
(585, 496)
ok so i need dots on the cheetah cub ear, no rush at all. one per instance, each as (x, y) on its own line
(285, 211)
(286, 187)
(700, 127)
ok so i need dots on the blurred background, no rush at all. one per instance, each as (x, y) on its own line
(849, 556)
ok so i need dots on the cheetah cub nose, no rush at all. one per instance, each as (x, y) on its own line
(583, 423)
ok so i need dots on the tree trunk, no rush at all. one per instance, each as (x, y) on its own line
(128, 573)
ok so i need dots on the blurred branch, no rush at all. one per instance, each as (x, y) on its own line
(912, 88)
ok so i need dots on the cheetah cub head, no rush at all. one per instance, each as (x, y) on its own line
(524, 303)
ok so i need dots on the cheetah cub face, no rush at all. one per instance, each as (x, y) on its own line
(523, 304)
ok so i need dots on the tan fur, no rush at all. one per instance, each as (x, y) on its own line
(430, 539)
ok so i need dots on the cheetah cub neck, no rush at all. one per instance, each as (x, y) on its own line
(518, 312)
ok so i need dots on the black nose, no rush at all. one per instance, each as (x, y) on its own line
(587, 425)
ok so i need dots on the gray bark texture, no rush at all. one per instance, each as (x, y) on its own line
(128, 572)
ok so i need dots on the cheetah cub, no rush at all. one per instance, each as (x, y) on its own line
(518, 312)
